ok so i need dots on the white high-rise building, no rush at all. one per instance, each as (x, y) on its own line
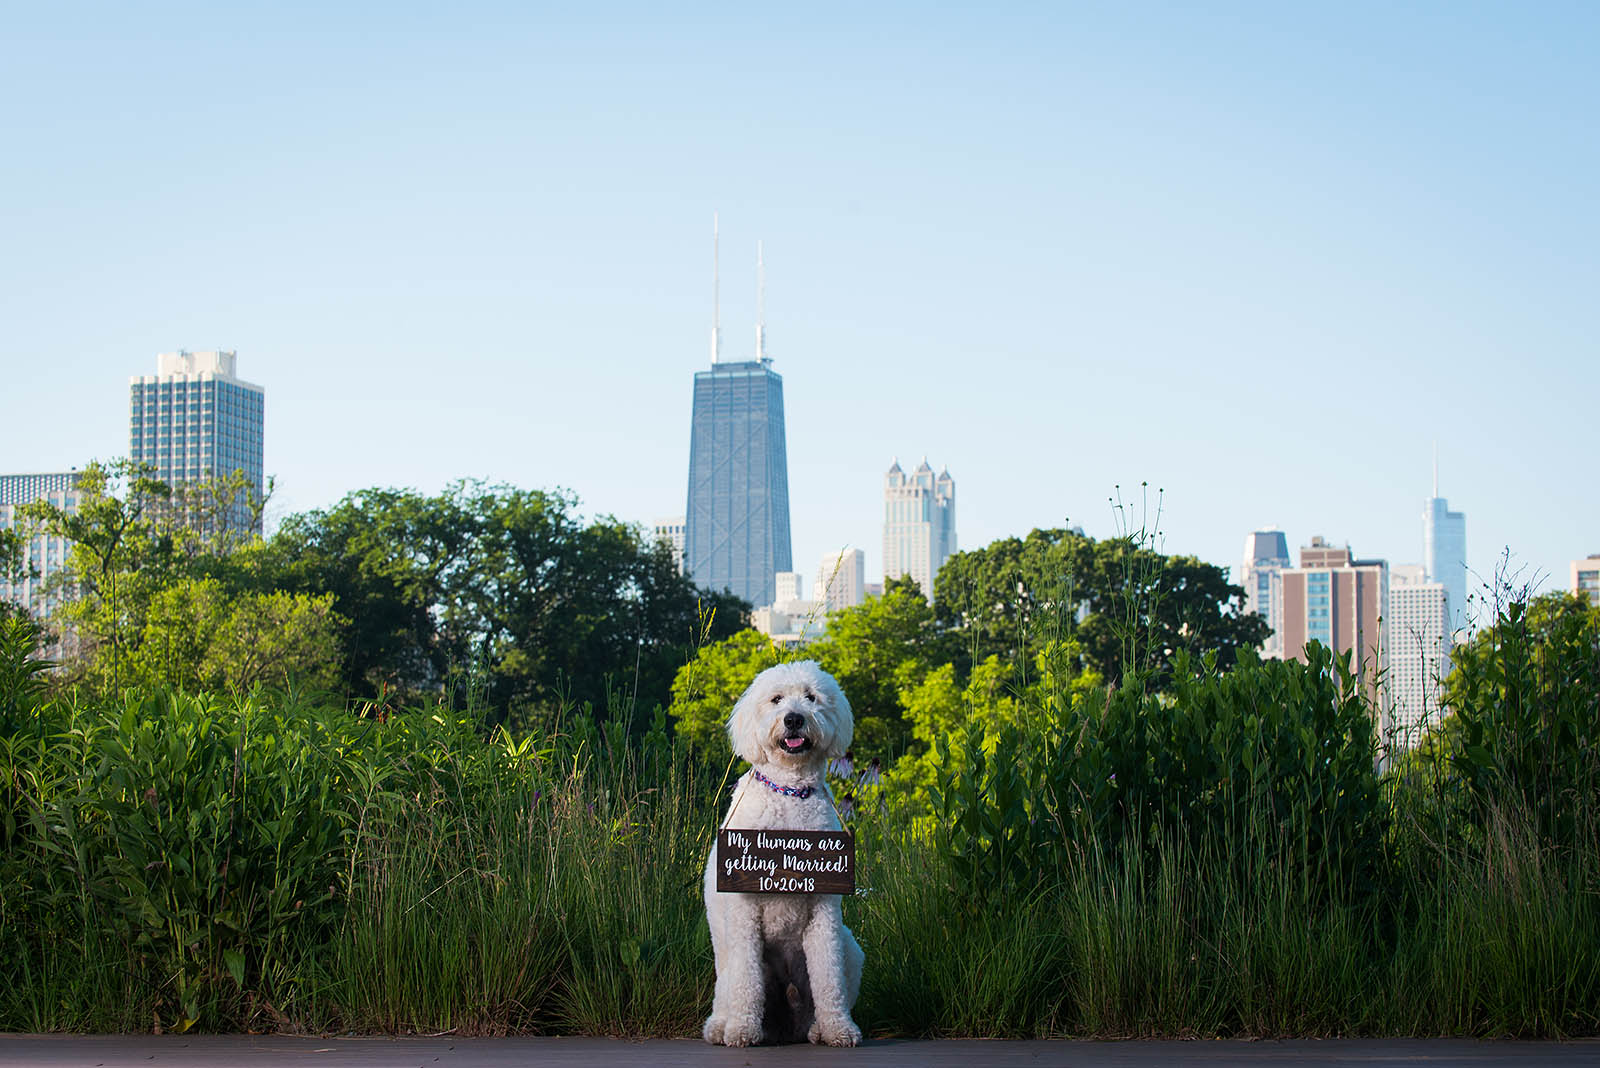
(670, 530)
(1444, 552)
(919, 523)
(195, 419)
(1266, 554)
(841, 580)
(790, 586)
(43, 555)
(1417, 632)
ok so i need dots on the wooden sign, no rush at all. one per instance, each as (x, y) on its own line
(785, 862)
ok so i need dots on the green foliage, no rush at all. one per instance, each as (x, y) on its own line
(878, 649)
(382, 555)
(449, 878)
(706, 688)
(167, 587)
(1201, 848)
(198, 634)
(389, 595)
(1006, 617)
(1139, 608)
(240, 862)
(1525, 693)
(13, 554)
(986, 715)
(502, 585)
(22, 670)
(117, 552)
(1275, 757)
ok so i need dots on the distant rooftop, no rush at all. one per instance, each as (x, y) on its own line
(216, 363)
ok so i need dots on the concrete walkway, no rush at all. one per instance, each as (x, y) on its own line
(274, 1051)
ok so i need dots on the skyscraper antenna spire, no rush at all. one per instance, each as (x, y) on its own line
(761, 304)
(716, 294)
(1436, 468)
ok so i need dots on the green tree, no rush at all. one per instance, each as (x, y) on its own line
(878, 649)
(993, 700)
(554, 610)
(1010, 597)
(705, 689)
(198, 634)
(118, 557)
(1146, 608)
(504, 589)
(167, 588)
(1128, 606)
(13, 568)
(1524, 692)
(382, 555)
(274, 639)
(13, 554)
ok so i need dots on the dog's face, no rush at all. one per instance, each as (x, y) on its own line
(791, 714)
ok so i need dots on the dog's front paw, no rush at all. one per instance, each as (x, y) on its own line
(838, 1031)
(739, 1033)
(712, 1031)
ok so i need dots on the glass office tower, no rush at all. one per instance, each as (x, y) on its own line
(195, 419)
(736, 534)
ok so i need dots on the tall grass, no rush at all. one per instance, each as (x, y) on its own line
(187, 861)
(276, 862)
(1497, 939)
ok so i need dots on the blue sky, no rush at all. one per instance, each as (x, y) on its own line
(1260, 256)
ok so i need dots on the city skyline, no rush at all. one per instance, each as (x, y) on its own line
(1106, 245)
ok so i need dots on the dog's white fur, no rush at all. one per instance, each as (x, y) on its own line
(747, 929)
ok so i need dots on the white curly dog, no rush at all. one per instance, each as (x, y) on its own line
(787, 966)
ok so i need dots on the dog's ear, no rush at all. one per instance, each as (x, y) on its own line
(842, 719)
(746, 725)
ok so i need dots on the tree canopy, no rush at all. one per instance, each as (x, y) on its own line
(1054, 613)
(500, 593)
(504, 590)
(162, 589)
(1129, 607)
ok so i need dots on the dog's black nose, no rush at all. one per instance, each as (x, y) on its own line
(794, 721)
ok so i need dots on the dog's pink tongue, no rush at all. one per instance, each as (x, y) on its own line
(794, 743)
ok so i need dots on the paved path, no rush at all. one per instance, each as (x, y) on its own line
(274, 1051)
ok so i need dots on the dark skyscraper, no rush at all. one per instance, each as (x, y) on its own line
(736, 529)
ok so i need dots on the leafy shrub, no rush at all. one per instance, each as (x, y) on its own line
(1273, 760)
(21, 670)
(1526, 697)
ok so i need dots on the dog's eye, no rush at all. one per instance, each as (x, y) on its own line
(811, 697)
(777, 697)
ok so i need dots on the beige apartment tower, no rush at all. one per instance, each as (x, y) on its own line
(1340, 602)
(1586, 577)
(919, 523)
